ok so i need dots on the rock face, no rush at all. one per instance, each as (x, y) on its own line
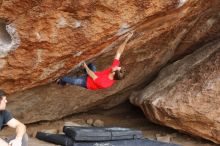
(186, 94)
(42, 40)
(55, 37)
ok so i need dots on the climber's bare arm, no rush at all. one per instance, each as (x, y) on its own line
(122, 46)
(90, 72)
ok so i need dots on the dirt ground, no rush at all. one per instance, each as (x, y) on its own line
(124, 115)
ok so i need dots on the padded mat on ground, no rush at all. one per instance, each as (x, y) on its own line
(59, 139)
(137, 142)
(100, 133)
(63, 140)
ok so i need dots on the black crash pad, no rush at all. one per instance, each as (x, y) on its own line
(134, 142)
(59, 139)
(63, 140)
(101, 134)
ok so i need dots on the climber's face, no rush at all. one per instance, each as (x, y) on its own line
(116, 68)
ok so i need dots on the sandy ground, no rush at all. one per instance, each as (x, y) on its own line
(124, 115)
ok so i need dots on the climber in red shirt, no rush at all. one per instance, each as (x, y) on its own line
(95, 80)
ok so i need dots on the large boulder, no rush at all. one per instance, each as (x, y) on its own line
(47, 39)
(186, 94)
(41, 40)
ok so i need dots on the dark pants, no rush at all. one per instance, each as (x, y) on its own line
(79, 81)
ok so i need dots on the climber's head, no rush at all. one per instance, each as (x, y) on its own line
(119, 73)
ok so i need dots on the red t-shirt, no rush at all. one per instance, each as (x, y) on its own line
(102, 80)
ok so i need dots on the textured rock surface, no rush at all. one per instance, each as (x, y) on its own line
(55, 36)
(46, 39)
(186, 94)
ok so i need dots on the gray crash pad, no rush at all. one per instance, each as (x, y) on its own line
(100, 133)
(61, 139)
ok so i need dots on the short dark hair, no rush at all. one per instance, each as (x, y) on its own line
(2, 93)
(119, 74)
